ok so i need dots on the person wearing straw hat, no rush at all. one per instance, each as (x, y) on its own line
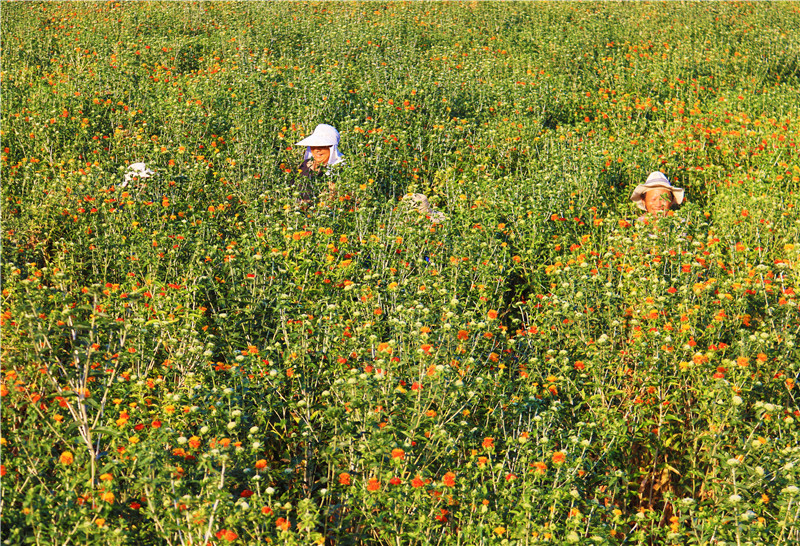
(322, 153)
(656, 196)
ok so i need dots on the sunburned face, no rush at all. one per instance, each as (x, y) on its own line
(658, 201)
(320, 154)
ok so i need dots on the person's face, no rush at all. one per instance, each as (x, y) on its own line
(321, 154)
(658, 201)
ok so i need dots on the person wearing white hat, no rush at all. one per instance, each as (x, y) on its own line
(136, 171)
(322, 153)
(657, 195)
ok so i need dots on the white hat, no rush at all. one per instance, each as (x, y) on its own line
(656, 179)
(136, 171)
(323, 135)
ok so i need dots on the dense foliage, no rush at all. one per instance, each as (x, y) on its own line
(201, 358)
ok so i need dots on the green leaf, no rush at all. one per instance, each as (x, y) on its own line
(114, 433)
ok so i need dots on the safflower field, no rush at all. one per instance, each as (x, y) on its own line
(204, 359)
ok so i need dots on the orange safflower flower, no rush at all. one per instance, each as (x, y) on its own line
(417, 482)
(66, 458)
(488, 442)
(373, 485)
(226, 534)
(283, 524)
(559, 457)
(463, 335)
(699, 359)
(261, 464)
(539, 467)
(344, 478)
(492, 314)
(449, 479)
(742, 361)
(398, 453)
(194, 442)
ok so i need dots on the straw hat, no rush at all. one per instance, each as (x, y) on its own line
(323, 135)
(656, 180)
(136, 171)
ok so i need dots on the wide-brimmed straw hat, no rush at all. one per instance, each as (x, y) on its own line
(656, 180)
(323, 135)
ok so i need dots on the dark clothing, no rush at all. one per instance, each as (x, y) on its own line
(306, 181)
(310, 182)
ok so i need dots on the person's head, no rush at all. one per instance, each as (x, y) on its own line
(322, 145)
(658, 201)
(657, 195)
(321, 154)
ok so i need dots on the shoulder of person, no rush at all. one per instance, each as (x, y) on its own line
(305, 167)
(331, 170)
